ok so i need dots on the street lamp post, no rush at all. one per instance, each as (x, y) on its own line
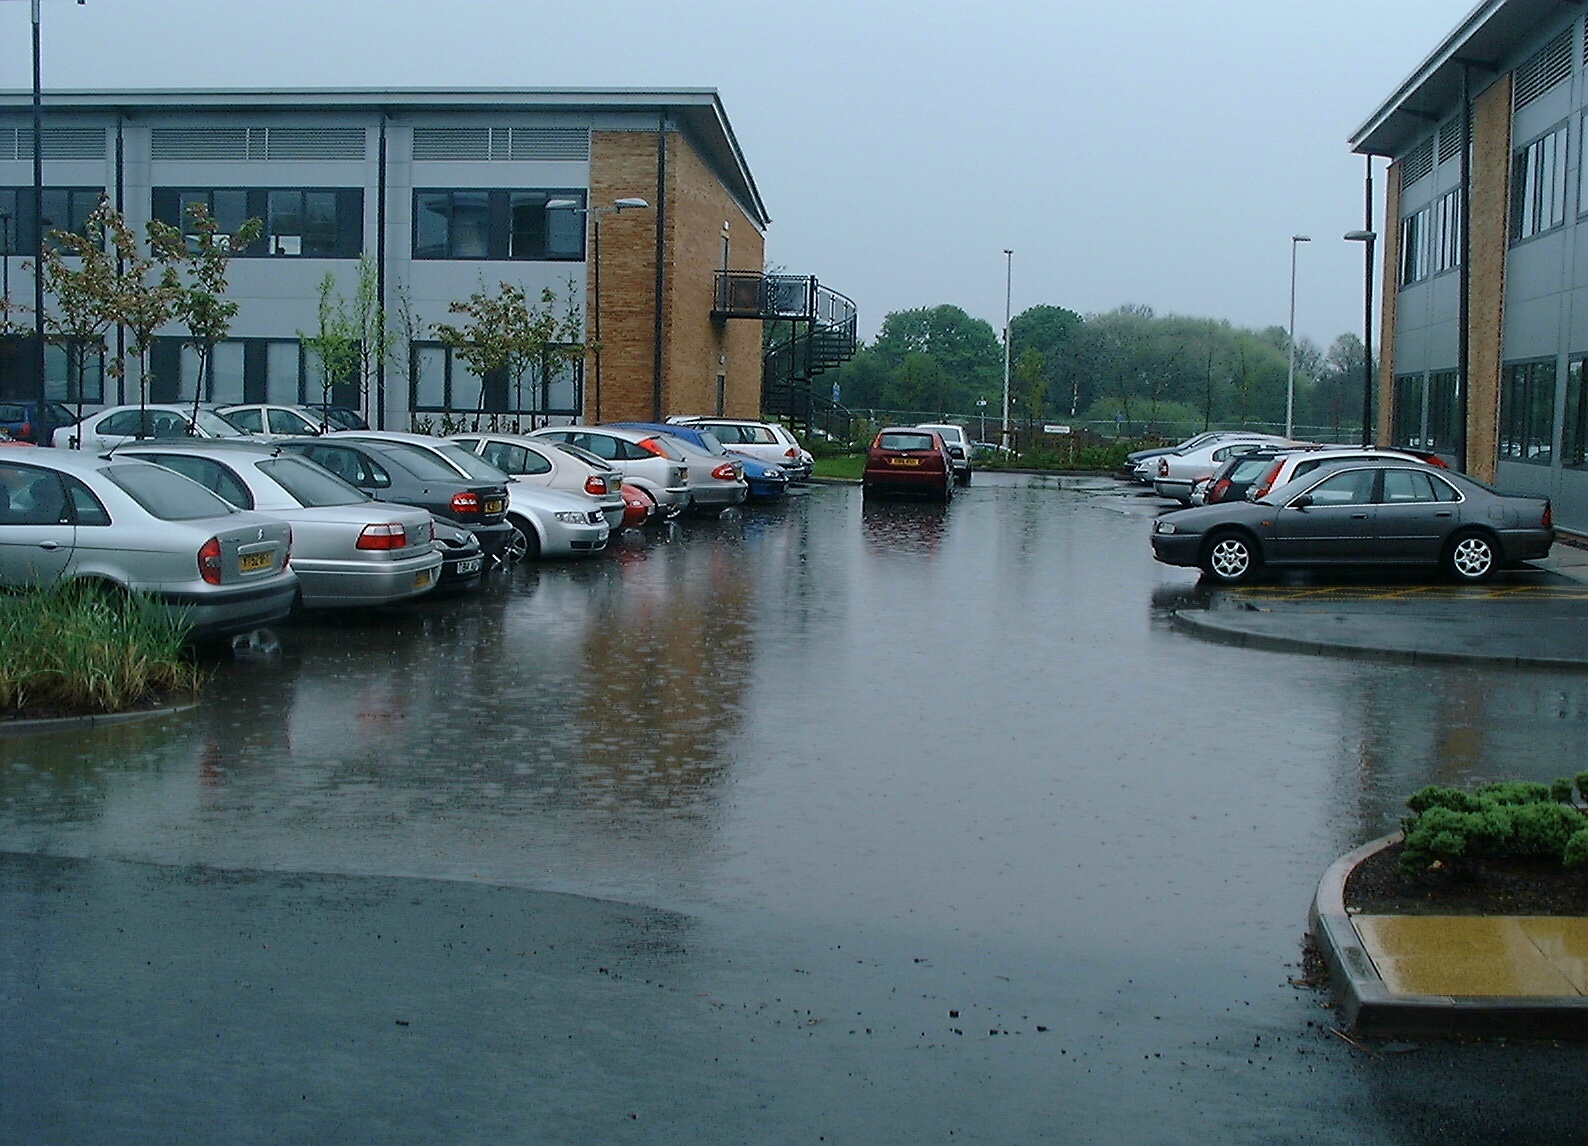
(5, 253)
(1367, 239)
(1290, 377)
(594, 214)
(1009, 280)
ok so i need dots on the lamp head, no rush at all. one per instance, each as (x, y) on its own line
(633, 204)
(1301, 238)
(562, 204)
(1360, 236)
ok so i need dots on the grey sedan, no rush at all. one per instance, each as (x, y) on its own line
(1377, 513)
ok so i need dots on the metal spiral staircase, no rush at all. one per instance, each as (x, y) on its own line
(822, 336)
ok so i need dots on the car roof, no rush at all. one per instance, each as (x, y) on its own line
(70, 461)
(627, 434)
(205, 445)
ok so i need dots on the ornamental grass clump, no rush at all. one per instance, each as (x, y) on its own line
(1518, 819)
(78, 648)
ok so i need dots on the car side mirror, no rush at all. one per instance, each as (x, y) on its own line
(1301, 502)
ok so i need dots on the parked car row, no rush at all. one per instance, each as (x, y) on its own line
(326, 517)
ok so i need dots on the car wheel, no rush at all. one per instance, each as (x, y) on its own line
(1231, 558)
(1471, 557)
(523, 544)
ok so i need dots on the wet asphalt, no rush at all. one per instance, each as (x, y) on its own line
(823, 822)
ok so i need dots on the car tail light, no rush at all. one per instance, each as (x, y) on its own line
(652, 446)
(388, 535)
(595, 484)
(1549, 516)
(790, 453)
(1163, 467)
(724, 472)
(25, 433)
(1436, 460)
(1217, 491)
(465, 503)
(209, 561)
(1266, 482)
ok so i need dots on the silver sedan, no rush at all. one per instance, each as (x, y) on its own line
(349, 550)
(552, 465)
(139, 527)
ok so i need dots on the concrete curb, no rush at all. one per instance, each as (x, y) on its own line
(1369, 1007)
(814, 480)
(1201, 623)
(87, 723)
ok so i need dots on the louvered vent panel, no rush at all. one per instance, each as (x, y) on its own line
(1449, 141)
(217, 143)
(1543, 70)
(454, 143)
(548, 143)
(313, 142)
(59, 143)
(1419, 161)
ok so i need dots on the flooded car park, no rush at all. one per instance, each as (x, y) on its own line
(865, 822)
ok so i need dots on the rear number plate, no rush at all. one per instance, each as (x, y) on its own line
(253, 562)
(494, 505)
(904, 461)
(421, 578)
(469, 565)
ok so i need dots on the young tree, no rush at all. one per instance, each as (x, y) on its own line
(145, 296)
(505, 338)
(83, 292)
(200, 258)
(335, 342)
(1031, 380)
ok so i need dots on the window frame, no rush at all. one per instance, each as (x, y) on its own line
(527, 396)
(1517, 438)
(1538, 184)
(168, 204)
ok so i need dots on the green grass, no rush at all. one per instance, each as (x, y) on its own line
(847, 467)
(77, 649)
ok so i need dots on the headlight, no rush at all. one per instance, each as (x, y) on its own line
(1163, 527)
(571, 517)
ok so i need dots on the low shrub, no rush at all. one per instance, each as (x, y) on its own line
(1515, 818)
(82, 648)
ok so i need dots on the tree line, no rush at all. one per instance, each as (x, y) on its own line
(1125, 366)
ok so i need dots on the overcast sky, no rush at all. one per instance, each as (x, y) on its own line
(1127, 150)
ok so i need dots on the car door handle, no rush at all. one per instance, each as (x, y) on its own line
(1359, 517)
(1443, 513)
(49, 545)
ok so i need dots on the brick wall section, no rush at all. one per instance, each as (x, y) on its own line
(1389, 285)
(1491, 173)
(624, 164)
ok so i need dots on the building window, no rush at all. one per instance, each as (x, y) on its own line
(65, 209)
(68, 376)
(1527, 412)
(1444, 412)
(441, 382)
(1444, 236)
(1574, 434)
(310, 223)
(498, 224)
(1414, 247)
(1538, 186)
(1406, 416)
(242, 370)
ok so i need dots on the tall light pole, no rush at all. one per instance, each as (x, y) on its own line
(1009, 282)
(1290, 377)
(1367, 239)
(594, 214)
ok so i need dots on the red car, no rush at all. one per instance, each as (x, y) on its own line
(908, 459)
(637, 506)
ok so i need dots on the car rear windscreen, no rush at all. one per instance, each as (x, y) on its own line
(905, 442)
(168, 495)
(310, 485)
(1250, 469)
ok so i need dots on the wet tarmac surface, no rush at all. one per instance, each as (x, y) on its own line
(824, 822)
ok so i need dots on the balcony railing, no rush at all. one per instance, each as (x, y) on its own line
(752, 294)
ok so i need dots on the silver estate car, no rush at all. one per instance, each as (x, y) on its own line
(651, 461)
(128, 523)
(121, 424)
(552, 465)
(348, 549)
(1371, 513)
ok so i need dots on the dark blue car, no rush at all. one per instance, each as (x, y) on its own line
(767, 482)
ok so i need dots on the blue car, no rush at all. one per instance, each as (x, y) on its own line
(767, 482)
(19, 421)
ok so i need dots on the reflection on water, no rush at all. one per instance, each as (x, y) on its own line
(910, 528)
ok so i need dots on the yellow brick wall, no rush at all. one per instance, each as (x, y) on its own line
(1491, 173)
(695, 348)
